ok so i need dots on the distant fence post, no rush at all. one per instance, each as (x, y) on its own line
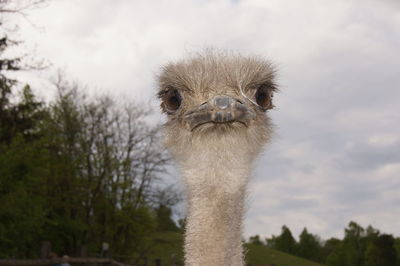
(158, 262)
(45, 249)
(173, 259)
(83, 251)
(105, 250)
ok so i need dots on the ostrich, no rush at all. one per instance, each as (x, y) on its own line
(217, 123)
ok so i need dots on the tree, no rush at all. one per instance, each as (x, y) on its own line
(284, 242)
(110, 159)
(309, 246)
(338, 256)
(23, 210)
(164, 220)
(23, 161)
(23, 157)
(6, 84)
(271, 242)
(381, 252)
(361, 247)
(372, 255)
(255, 240)
(14, 118)
(354, 244)
(397, 246)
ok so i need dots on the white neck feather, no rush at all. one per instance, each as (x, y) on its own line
(216, 181)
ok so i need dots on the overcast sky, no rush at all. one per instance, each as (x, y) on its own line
(335, 156)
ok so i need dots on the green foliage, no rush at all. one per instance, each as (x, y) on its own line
(354, 244)
(364, 247)
(381, 252)
(77, 173)
(331, 252)
(182, 225)
(7, 114)
(372, 256)
(108, 159)
(164, 221)
(359, 247)
(285, 242)
(309, 246)
(397, 247)
(255, 240)
(337, 256)
(23, 210)
(23, 163)
(168, 246)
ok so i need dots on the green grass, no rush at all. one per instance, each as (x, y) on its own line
(168, 243)
(257, 254)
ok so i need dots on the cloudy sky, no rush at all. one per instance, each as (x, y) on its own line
(335, 156)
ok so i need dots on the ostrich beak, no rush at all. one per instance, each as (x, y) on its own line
(220, 109)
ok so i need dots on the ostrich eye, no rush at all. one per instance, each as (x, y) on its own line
(172, 100)
(263, 97)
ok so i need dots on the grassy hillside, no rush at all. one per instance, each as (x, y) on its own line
(171, 243)
(257, 254)
(167, 244)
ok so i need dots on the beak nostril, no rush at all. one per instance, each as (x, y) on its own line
(222, 102)
(239, 101)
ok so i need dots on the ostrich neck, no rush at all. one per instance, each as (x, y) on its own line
(216, 182)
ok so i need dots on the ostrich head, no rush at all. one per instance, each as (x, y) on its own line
(217, 100)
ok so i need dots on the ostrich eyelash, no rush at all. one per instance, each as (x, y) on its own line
(245, 96)
(251, 100)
